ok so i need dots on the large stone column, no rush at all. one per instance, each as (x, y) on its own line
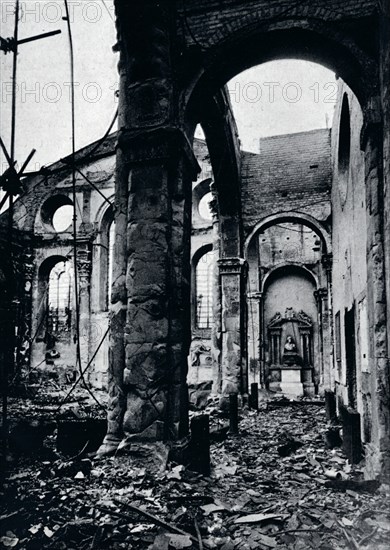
(157, 335)
(378, 451)
(155, 165)
(233, 273)
(118, 308)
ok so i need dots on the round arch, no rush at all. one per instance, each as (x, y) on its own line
(104, 220)
(199, 252)
(105, 213)
(276, 271)
(48, 264)
(196, 257)
(256, 39)
(303, 35)
(295, 217)
(44, 271)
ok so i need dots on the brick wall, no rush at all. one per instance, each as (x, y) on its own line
(291, 173)
(210, 21)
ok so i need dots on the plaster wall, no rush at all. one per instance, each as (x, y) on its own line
(349, 275)
(292, 288)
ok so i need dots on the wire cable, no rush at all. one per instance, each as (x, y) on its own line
(84, 371)
(107, 10)
(73, 167)
(47, 172)
(9, 360)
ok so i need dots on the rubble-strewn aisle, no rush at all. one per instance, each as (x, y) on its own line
(254, 499)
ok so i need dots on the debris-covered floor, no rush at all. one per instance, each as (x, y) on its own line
(268, 488)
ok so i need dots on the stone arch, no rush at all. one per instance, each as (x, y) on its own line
(44, 271)
(103, 210)
(307, 33)
(104, 219)
(201, 189)
(289, 295)
(219, 127)
(275, 271)
(295, 217)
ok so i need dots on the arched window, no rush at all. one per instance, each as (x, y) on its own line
(110, 263)
(60, 298)
(53, 309)
(103, 262)
(204, 299)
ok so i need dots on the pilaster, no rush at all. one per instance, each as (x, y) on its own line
(233, 272)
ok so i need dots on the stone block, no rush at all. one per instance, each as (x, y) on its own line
(141, 413)
(291, 384)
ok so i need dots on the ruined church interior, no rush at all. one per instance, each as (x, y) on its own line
(194, 306)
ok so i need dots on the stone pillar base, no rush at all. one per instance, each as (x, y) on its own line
(308, 389)
(376, 464)
(109, 446)
(291, 384)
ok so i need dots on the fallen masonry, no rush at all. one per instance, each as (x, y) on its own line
(275, 484)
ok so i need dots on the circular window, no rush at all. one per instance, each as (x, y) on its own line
(62, 218)
(344, 151)
(57, 213)
(204, 207)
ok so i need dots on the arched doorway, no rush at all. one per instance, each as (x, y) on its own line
(285, 255)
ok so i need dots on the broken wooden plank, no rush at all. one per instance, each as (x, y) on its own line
(148, 515)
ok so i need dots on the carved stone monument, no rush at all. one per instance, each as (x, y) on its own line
(291, 383)
(290, 368)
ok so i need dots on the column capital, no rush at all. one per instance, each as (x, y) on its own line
(255, 296)
(162, 143)
(321, 294)
(232, 266)
(84, 266)
(28, 265)
(327, 261)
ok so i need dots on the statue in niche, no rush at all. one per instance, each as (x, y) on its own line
(290, 353)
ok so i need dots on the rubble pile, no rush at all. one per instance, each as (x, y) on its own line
(276, 484)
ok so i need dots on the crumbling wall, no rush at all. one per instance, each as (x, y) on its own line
(349, 235)
(54, 357)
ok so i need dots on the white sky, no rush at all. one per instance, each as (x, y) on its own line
(280, 97)
(301, 99)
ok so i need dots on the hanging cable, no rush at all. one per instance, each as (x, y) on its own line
(94, 187)
(107, 10)
(47, 172)
(83, 372)
(9, 358)
(73, 166)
